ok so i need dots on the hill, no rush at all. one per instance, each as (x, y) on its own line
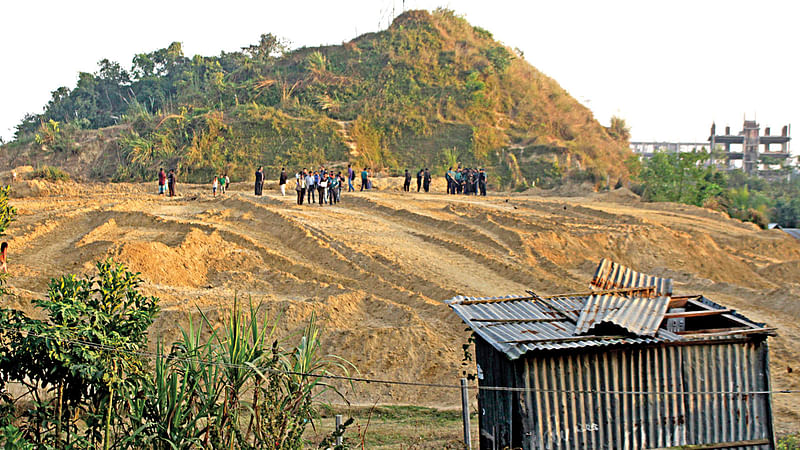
(431, 90)
(377, 267)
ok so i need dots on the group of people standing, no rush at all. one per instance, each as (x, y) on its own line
(423, 180)
(322, 184)
(166, 182)
(220, 183)
(325, 186)
(466, 181)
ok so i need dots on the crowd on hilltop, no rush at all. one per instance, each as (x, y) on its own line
(460, 181)
(325, 186)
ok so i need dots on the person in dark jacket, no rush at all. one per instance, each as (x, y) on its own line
(171, 180)
(259, 180)
(407, 181)
(482, 181)
(282, 181)
(448, 176)
(426, 180)
(419, 179)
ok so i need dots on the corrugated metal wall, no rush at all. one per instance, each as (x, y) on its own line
(567, 420)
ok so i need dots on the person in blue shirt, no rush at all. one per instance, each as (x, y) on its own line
(364, 179)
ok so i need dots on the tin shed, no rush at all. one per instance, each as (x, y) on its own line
(618, 369)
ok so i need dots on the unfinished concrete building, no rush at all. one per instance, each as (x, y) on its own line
(751, 140)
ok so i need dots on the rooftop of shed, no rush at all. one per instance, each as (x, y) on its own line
(623, 307)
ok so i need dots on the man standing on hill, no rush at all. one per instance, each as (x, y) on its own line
(171, 180)
(451, 188)
(310, 187)
(364, 179)
(259, 181)
(419, 179)
(351, 175)
(482, 182)
(162, 181)
(282, 181)
(426, 180)
(300, 186)
(407, 181)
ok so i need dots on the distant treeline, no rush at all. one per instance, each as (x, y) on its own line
(687, 178)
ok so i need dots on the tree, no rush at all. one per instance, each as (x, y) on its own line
(680, 177)
(68, 355)
(619, 130)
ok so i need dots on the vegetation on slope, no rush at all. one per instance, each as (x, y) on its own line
(687, 178)
(431, 90)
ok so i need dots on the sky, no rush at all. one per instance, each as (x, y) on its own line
(668, 68)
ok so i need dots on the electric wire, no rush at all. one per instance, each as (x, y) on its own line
(199, 361)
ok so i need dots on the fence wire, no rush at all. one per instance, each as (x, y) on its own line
(152, 355)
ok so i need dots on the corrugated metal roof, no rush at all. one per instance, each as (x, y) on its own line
(610, 275)
(794, 232)
(518, 324)
(640, 316)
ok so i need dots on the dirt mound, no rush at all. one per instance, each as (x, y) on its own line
(25, 188)
(621, 195)
(376, 267)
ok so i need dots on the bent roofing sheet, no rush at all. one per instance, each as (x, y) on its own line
(640, 316)
(520, 324)
(613, 275)
(794, 232)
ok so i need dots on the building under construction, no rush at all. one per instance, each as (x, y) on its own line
(751, 141)
(758, 153)
(628, 365)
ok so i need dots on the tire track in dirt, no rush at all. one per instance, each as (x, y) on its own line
(354, 269)
(443, 226)
(519, 269)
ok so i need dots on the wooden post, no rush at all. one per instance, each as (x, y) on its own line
(338, 429)
(465, 413)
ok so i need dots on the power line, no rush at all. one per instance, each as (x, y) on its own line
(151, 355)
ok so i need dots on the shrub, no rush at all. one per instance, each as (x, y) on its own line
(51, 173)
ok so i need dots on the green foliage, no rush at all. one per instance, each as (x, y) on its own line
(54, 137)
(50, 173)
(680, 177)
(619, 130)
(235, 386)
(789, 442)
(100, 312)
(8, 213)
(499, 57)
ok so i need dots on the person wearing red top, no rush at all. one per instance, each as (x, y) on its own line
(162, 181)
(3, 266)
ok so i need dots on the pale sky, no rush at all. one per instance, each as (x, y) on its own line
(668, 68)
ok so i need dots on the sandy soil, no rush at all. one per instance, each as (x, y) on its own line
(376, 267)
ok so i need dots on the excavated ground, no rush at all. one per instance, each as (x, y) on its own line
(377, 267)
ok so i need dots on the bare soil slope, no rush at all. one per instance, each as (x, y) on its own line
(377, 267)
